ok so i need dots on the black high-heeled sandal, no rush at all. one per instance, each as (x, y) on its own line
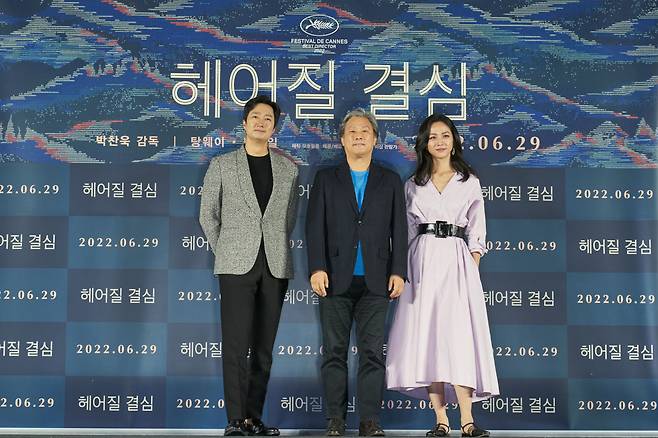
(439, 430)
(474, 431)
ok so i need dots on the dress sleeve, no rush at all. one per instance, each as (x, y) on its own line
(476, 229)
(412, 219)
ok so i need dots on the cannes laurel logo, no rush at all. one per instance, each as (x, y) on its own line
(319, 25)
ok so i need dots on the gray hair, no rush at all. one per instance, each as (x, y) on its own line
(359, 112)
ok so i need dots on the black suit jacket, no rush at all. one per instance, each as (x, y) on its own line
(334, 226)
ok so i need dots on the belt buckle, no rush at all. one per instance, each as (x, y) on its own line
(438, 229)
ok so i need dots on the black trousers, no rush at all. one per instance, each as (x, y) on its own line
(336, 314)
(250, 311)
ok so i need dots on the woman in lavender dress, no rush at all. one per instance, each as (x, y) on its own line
(439, 345)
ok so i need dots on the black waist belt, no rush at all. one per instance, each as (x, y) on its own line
(442, 229)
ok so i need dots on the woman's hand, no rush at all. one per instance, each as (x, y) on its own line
(476, 256)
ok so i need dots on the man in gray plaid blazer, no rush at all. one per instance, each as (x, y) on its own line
(248, 209)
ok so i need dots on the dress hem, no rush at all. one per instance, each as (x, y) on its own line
(420, 391)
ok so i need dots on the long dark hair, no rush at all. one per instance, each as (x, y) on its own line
(424, 162)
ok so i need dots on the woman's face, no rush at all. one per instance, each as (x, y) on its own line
(441, 141)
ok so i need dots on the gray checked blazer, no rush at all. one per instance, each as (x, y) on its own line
(232, 221)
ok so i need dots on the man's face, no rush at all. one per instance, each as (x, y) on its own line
(359, 138)
(259, 125)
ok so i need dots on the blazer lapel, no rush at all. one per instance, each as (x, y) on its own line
(374, 178)
(345, 178)
(244, 179)
(278, 172)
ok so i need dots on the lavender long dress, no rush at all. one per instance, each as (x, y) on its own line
(440, 332)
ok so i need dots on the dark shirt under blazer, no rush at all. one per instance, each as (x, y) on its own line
(334, 226)
(231, 217)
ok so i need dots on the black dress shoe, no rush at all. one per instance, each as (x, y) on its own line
(335, 427)
(370, 428)
(256, 427)
(235, 428)
(473, 431)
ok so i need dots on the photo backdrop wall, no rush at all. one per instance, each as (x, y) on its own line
(110, 111)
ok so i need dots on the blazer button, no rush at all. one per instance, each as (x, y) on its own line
(359, 222)
(356, 246)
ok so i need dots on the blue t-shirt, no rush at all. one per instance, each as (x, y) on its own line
(359, 180)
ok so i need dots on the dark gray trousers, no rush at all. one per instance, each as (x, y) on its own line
(336, 314)
(250, 311)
